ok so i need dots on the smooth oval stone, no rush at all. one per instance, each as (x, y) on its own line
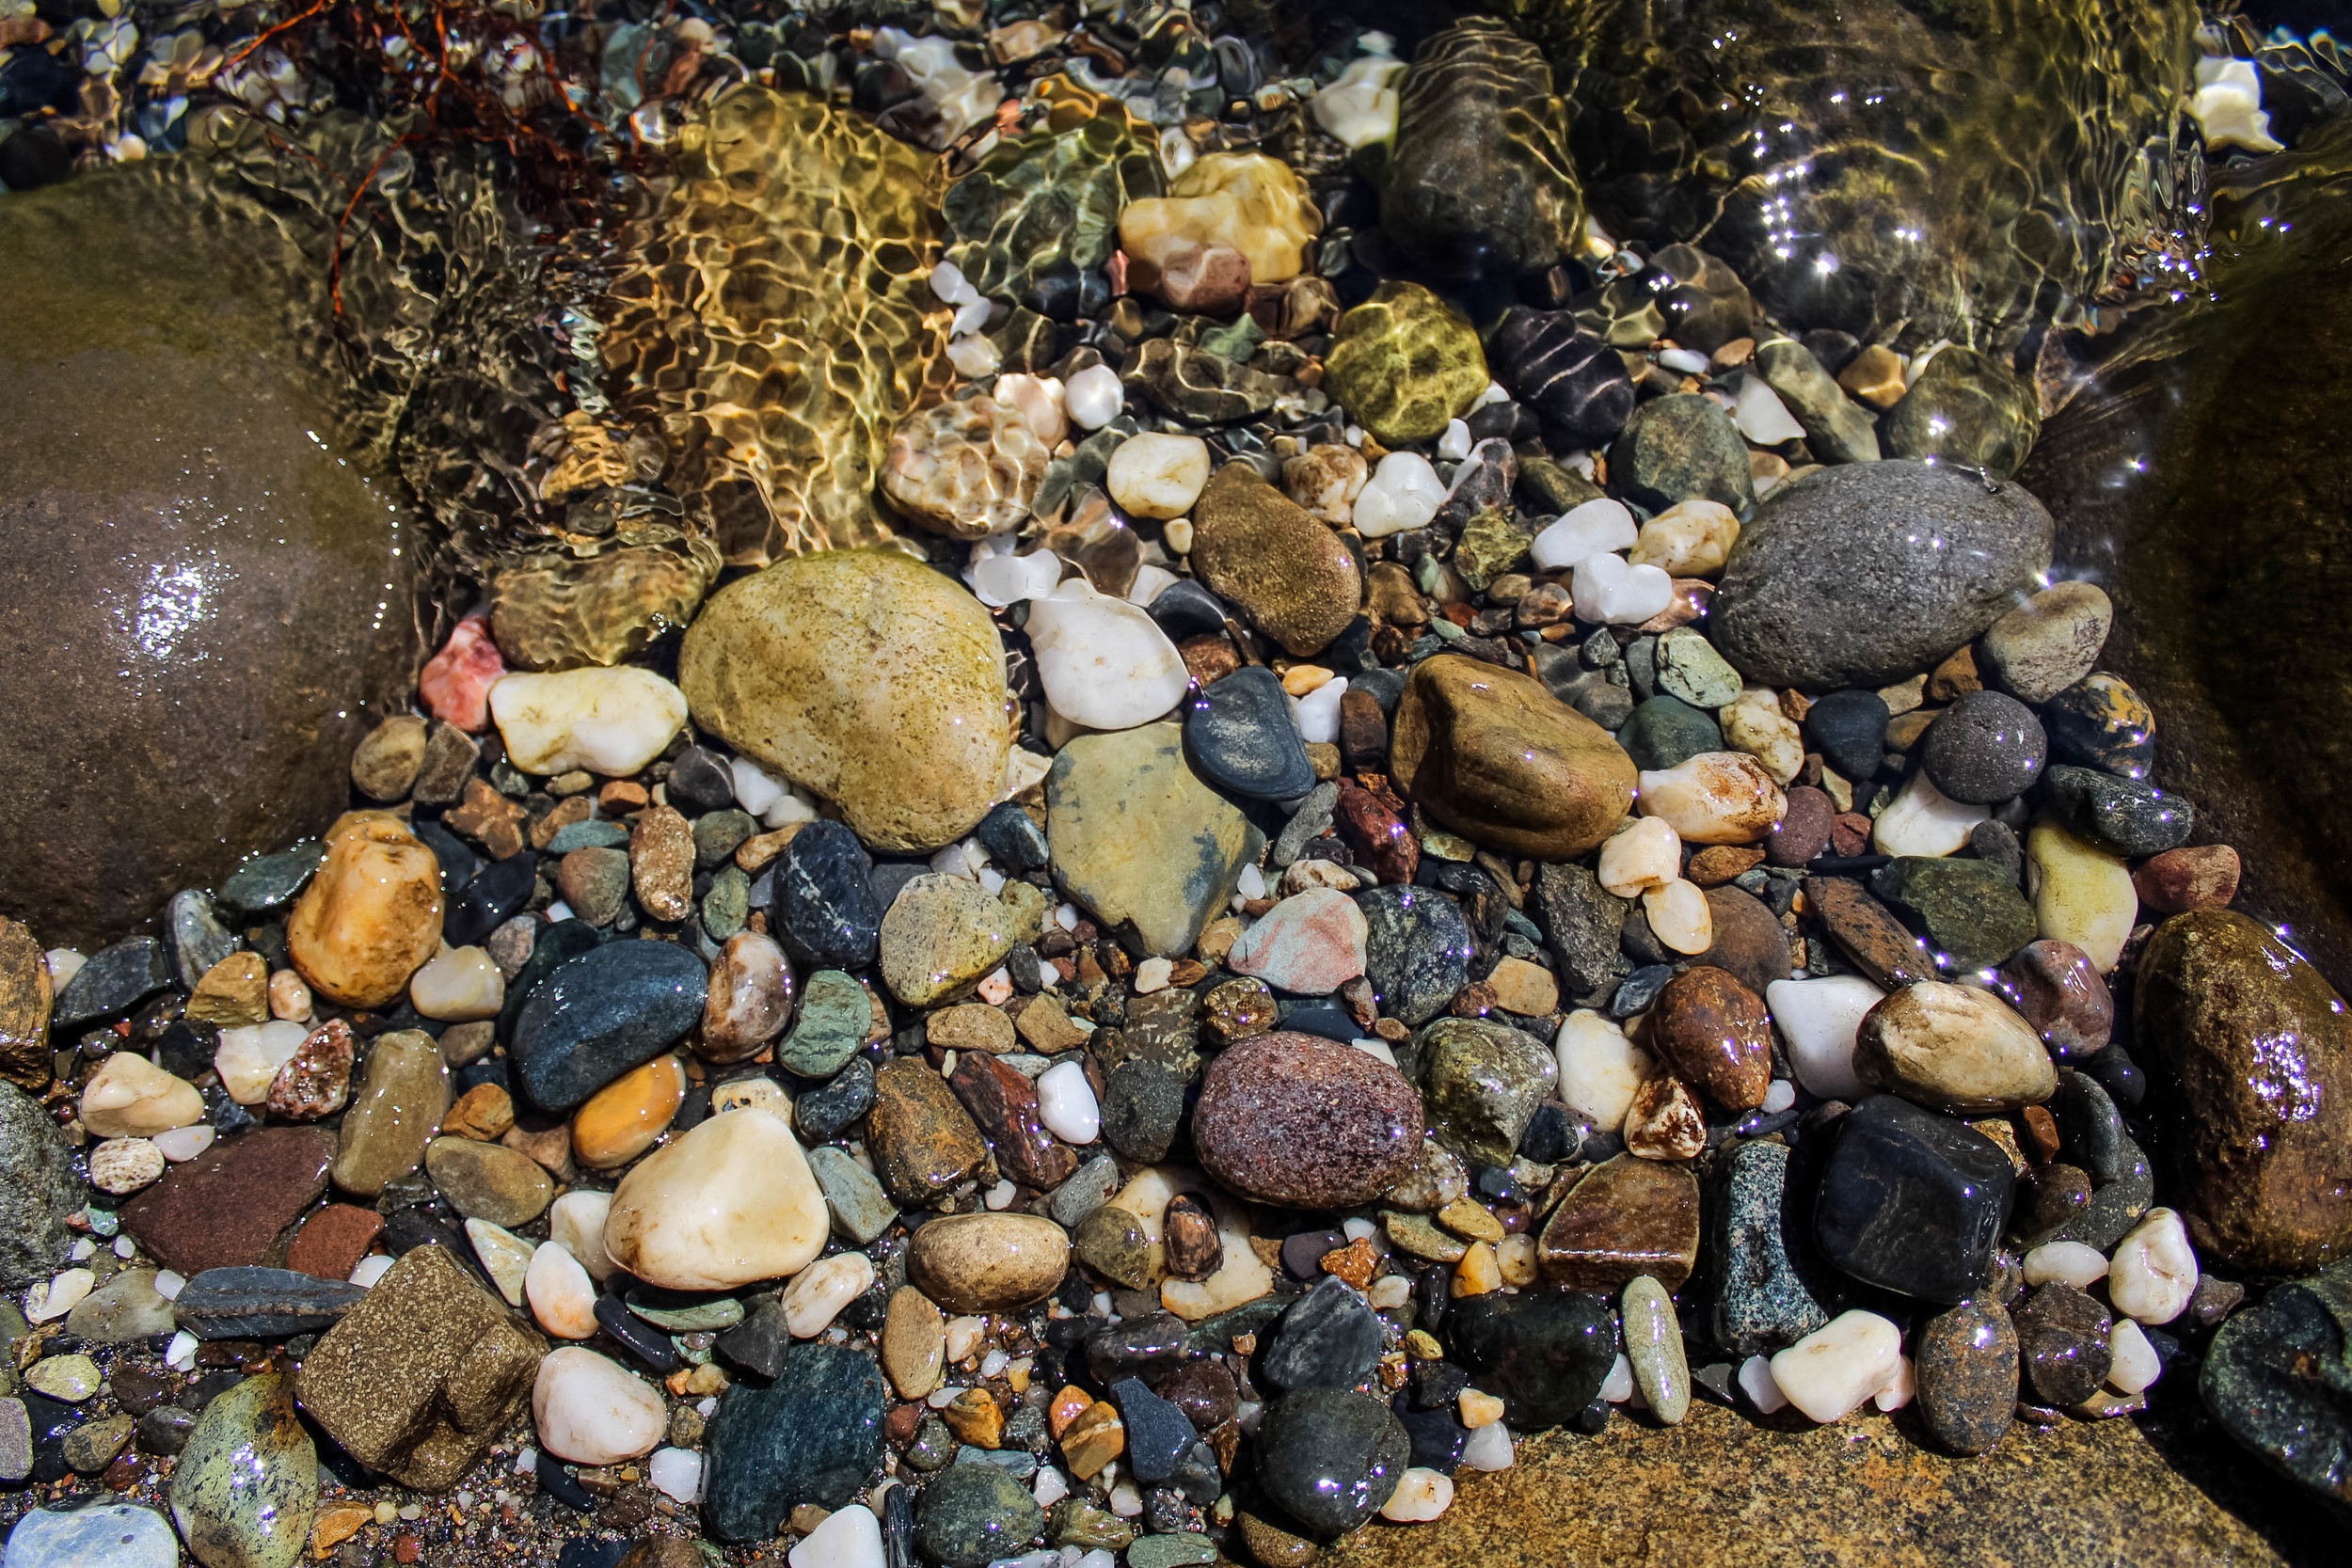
(922, 1138)
(812, 1436)
(1865, 573)
(909, 739)
(731, 1202)
(750, 999)
(1666, 732)
(1985, 748)
(1330, 1458)
(247, 1483)
(1966, 409)
(1624, 1218)
(824, 912)
(489, 1182)
(1653, 1342)
(1274, 561)
(1953, 1048)
(119, 1535)
(1239, 737)
(2261, 1122)
(1913, 1201)
(1678, 448)
(373, 914)
(2100, 721)
(599, 1015)
(124, 1309)
(1849, 730)
(1140, 840)
(988, 1262)
(402, 1095)
(1713, 1031)
(2064, 1338)
(941, 934)
(589, 1409)
(971, 1515)
(1966, 1366)
(1481, 1082)
(1290, 1119)
(554, 947)
(1493, 754)
(1544, 1354)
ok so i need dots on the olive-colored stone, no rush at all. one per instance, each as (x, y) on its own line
(1493, 754)
(1263, 552)
(988, 1262)
(1139, 841)
(1481, 1082)
(1714, 1031)
(247, 1483)
(402, 1096)
(1624, 1217)
(24, 999)
(2261, 1124)
(1966, 1366)
(941, 934)
(1403, 363)
(489, 1182)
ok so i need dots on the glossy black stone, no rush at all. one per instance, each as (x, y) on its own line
(1573, 381)
(494, 895)
(1329, 1022)
(267, 881)
(1544, 1354)
(700, 779)
(1185, 609)
(826, 914)
(1436, 1435)
(2130, 816)
(456, 858)
(1152, 1341)
(1911, 1202)
(813, 1436)
(642, 1338)
(603, 1013)
(1329, 1459)
(1158, 1433)
(1849, 729)
(2063, 1338)
(824, 1113)
(1329, 1338)
(115, 980)
(557, 1482)
(1012, 836)
(1239, 737)
(556, 945)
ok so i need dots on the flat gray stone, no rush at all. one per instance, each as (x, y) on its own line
(118, 1535)
(861, 1210)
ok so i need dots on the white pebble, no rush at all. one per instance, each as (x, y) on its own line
(562, 1296)
(951, 286)
(1389, 1291)
(1125, 1500)
(1093, 397)
(1049, 1486)
(999, 1198)
(1598, 526)
(1756, 1380)
(83, 1250)
(994, 1363)
(64, 964)
(2068, 1262)
(1778, 1095)
(1455, 445)
(169, 1284)
(184, 1143)
(818, 1293)
(457, 985)
(1613, 594)
(939, 1398)
(1618, 1387)
(964, 1334)
(1357, 1229)
(1360, 107)
(1600, 1069)
(1646, 853)
(2154, 1272)
(677, 1472)
(1680, 915)
(1403, 492)
(1488, 1448)
(60, 1295)
(371, 1268)
(1829, 1373)
(1687, 361)
(1151, 582)
(1066, 916)
(121, 1166)
(1037, 399)
(1154, 975)
(974, 357)
(576, 1223)
(1761, 416)
(851, 1537)
(1317, 714)
(592, 1411)
(250, 1055)
(998, 581)
(1103, 662)
(180, 1355)
(1921, 820)
(1420, 1496)
(1899, 1390)
(2137, 1364)
(1066, 1103)
(755, 788)
(1251, 883)
(1178, 536)
(610, 721)
(1817, 1021)
(1159, 474)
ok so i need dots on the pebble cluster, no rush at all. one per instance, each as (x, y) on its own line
(1347, 888)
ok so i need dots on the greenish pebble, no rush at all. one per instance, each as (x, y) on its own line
(1171, 1551)
(1653, 1342)
(1493, 543)
(683, 1312)
(836, 1014)
(1088, 1526)
(92, 1446)
(1111, 1243)
(970, 1516)
(247, 1483)
(1418, 1236)
(267, 881)
(719, 834)
(861, 1210)
(2274, 1374)
(1679, 447)
(1974, 914)
(1690, 668)
(1482, 1082)
(727, 905)
(1837, 429)
(1666, 732)
(588, 836)
(102, 1222)
(1966, 408)
(1404, 363)
(70, 1378)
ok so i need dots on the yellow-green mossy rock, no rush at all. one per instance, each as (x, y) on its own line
(1405, 362)
(865, 676)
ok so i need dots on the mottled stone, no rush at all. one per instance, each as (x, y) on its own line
(1139, 841)
(940, 935)
(1765, 1294)
(812, 1436)
(247, 1483)
(922, 1138)
(1263, 553)
(1679, 448)
(2272, 1377)
(1403, 363)
(1966, 409)
(1330, 1458)
(1966, 1368)
(1004, 1105)
(225, 1208)
(1481, 1082)
(1292, 1118)
(596, 1016)
(25, 1002)
(1624, 1217)
(1713, 1031)
(489, 1182)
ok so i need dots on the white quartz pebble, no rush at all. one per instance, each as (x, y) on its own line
(1037, 399)
(610, 721)
(1154, 975)
(1679, 916)
(1360, 107)
(1159, 474)
(1049, 1486)
(951, 286)
(179, 1355)
(851, 1537)
(371, 1268)
(2153, 1270)
(2136, 1364)
(250, 1055)
(169, 1284)
(1103, 663)
(1756, 1380)
(1093, 397)
(818, 1293)
(964, 1334)
(563, 1298)
(1618, 1387)
(1761, 416)
(1646, 853)
(1317, 714)
(1251, 882)
(1714, 798)
(1151, 582)
(1389, 1291)
(998, 581)
(592, 1411)
(1686, 361)
(1126, 1501)
(1829, 1373)
(1488, 1448)
(1600, 1069)
(1066, 1103)
(973, 357)
(677, 1472)
(1609, 592)
(755, 788)
(2068, 1262)
(1599, 527)
(1817, 1021)
(1921, 820)
(64, 964)
(1778, 1095)
(1900, 1388)
(1403, 492)
(1455, 443)
(1421, 1496)
(999, 1198)
(576, 1224)
(59, 1296)
(456, 984)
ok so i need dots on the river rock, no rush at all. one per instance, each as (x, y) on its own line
(1331, 1457)
(1247, 201)
(1865, 573)
(825, 913)
(247, 1483)
(591, 1410)
(2124, 816)
(1971, 909)
(2270, 1376)
(1624, 1218)
(1913, 1201)
(122, 1312)
(988, 1262)
(1543, 1352)
(598, 1016)
(1004, 1106)
(1139, 839)
(964, 468)
(228, 1205)
(941, 934)
(261, 1304)
(1966, 409)
(1481, 1082)
(217, 598)
(1966, 1368)
(1295, 1119)
(1239, 736)
(130, 1096)
(1480, 179)
(1766, 1291)
(372, 915)
(910, 740)
(1417, 950)
(2261, 1122)
(1712, 1030)
(1404, 363)
(1683, 446)
(1574, 381)
(402, 1096)
(975, 1513)
(1263, 553)
(811, 1435)
(1494, 756)
(922, 1138)
(120, 1535)
(1311, 943)
(731, 1202)
(1953, 1048)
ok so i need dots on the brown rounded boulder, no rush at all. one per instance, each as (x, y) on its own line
(1494, 756)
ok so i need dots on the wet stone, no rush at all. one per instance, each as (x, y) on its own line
(970, 1516)
(1985, 748)
(824, 912)
(922, 1138)
(1966, 1370)
(1625, 1217)
(1966, 409)
(1290, 1119)
(1142, 1104)
(115, 980)
(224, 1207)
(247, 1483)
(1712, 1030)
(602, 1014)
(1004, 1104)
(2100, 721)
(1765, 1296)
(2125, 815)
(2271, 1376)
(2062, 1340)
(1974, 916)
(1403, 363)
(1849, 729)
(837, 1014)
(1877, 942)
(1239, 737)
(1417, 950)
(1158, 1433)
(1666, 732)
(1573, 380)
(120, 1535)
(812, 1436)
(825, 1113)
(42, 1189)
(1328, 1338)
(1913, 1201)
(2055, 987)
(1481, 1083)
(1544, 1354)
(1329, 1458)
(261, 1304)
(1140, 840)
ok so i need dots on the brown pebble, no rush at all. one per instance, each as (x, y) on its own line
(2056, 989)
(1868, 933)
(975, 1419)
(1718, 863)
(1664, 1122)
(487, 817)
(1850, 833)
(2191, 878)
(483, 1113)
(1208, 658)
(1956, 677)
(332, 1240)
(1189, 1231)
(661, 863)
(224, 1207)
(1714, 1031)
(2042, 1133)
(1804, 831)
(1004, 1104)
(1625, 1217)
(900, 1424)
(1294, 1118)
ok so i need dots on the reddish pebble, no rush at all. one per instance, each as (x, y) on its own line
(456, 682)
(2055, 987)
(1297, 1120)
(1804, 828)
(1850, 833)
(1378, 834)
(316, 1080)
(1712, 1030)
(408, 1549)
(2198, 876)
(1204, 279)
(331, 1242)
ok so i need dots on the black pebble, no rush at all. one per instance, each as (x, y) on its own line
(700, 779)
(490, 900)
(1911, 1202)
(1849, 728)
(557, 1483)
(1012, 836)
(1185, 609)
